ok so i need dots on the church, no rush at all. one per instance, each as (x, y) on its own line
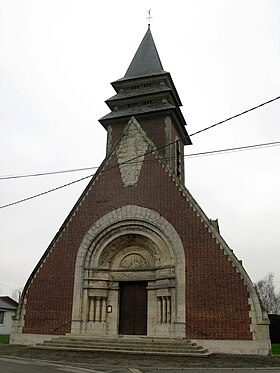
(137, 256)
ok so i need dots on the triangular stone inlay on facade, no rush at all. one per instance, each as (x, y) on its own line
(130, 153)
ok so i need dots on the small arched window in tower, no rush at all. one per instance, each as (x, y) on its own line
(178, 156)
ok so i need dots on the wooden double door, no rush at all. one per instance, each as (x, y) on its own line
(133, 308)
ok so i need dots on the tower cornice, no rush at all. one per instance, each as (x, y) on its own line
(146, 92)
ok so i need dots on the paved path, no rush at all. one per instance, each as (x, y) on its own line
(20, 359)
(19, 365)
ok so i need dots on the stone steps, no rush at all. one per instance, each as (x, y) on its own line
(150, 346)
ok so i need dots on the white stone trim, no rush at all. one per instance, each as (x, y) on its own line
(132, 146)
(132, 219)
(30, 339)
(238, 347)
(259, 319)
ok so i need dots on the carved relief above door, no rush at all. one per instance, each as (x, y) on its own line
(136, 269)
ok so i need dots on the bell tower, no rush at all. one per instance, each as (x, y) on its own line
(137, 255)
(148, 93)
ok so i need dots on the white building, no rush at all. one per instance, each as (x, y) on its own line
(8, 308)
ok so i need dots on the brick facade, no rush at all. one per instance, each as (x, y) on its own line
(216, 297)
(137, 222)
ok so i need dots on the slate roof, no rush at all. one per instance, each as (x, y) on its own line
(146, 60)
(137, 110)
(139, 92)
(146, 90)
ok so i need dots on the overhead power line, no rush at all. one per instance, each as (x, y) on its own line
(47, 173)
(151, 151)
(236, 149)
(132, 161)
(43, 193)
(235, 116)
(90, 168)
(210, 152)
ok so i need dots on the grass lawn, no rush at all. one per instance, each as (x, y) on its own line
(276, 349)
(4, 338)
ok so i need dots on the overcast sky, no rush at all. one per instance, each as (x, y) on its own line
(57, 59)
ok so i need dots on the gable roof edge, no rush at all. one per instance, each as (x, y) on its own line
(62, 227)
(74, 209)
(262, 317)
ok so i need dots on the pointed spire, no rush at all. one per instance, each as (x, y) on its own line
(146, 60)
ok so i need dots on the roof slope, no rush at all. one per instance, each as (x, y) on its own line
(146, 60)
(8, 303)
(134, 173)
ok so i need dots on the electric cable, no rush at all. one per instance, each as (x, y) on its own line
(195, 133)
(239, 148)
(47, 173)
(235, 116)
(247, 147)
(43, 193)
(151, 151)
(236, 149)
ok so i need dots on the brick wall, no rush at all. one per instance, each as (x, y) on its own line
(217, 299)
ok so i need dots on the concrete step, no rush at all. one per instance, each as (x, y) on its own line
(123, 343)
(126, 347)
(151, 346)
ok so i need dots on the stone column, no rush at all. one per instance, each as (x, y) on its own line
(91, 309)
(168, 305)
(164, 316)
(159, 307)
(103, 309)
(98, 309)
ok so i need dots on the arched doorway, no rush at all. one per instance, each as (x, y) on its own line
(130, 258)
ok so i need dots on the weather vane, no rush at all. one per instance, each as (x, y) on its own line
(149, 17)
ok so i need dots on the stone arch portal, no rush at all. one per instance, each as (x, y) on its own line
(130, 245)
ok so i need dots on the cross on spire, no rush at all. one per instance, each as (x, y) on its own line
(149, 17)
